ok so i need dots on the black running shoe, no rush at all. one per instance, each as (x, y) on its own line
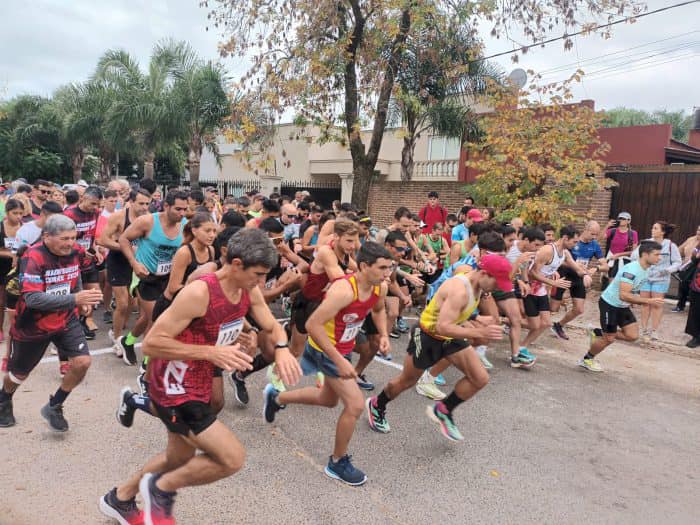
(239, 389)
(558, 330)
(54, 416)
(125, 413)
(270, 405)
(107, 317)
(157, 505)
(128, 352)
(89, 334)
(125, 512)
(7, 418)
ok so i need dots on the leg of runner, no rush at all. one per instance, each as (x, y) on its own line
(392, 313)
(511, 308)
(629, 333)
(646, 313)
(367, 346)
(657, 311)
(120, 315)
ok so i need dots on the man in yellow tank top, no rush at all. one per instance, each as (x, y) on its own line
(443, 333)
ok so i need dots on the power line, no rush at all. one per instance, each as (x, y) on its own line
(610, 24)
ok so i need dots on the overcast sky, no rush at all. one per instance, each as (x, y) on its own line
(651, 64)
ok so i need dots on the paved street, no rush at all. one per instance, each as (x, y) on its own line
(552, 445)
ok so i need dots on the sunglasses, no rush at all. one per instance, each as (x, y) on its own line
(46, 192)
(400, 250)
(276, 240)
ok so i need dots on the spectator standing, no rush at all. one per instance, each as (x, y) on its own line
(686, 271)
(432, 213)
(621, 241)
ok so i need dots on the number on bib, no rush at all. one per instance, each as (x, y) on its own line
(58, 289)
(351, 331)
(164, 267)
(11, 243)
(229, 332)
(85, 243)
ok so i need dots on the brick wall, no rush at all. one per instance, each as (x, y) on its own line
(385, 197)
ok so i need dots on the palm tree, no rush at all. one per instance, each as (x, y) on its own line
(438, 77)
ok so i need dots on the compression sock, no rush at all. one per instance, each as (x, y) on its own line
(452, 401)
(58, 398)
(589, 356)
(382, 400)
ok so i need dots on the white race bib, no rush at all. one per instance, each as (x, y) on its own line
(164, 267)
(58, 289)
(351, 331)
(270, 283)
(173, 378)
(85, 243)
(11, 243)
(229, 332)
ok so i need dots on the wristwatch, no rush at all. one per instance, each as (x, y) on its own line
(282, 344)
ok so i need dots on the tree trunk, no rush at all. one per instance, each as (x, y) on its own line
(148, 169)
(409, 146)
(361, 182)
(77, 161)
(194, 162)
(105, 169)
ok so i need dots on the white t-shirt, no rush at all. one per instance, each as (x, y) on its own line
(28, 234)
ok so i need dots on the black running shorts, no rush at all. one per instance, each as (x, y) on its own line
(534, 304)
(90, 275)
(426, 350)
(151, 287)
(302, 308)
(611, 317)
(190, 417)
(577, 290)
(119, 271)
(25, 355)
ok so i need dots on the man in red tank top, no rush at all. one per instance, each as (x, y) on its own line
(332, 328)
(192, 337)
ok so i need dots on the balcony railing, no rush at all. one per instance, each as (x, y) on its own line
(436, 169)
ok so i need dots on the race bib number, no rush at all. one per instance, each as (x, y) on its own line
(270, 283)
(173, 378)
(164, 267)
(351, 331)
(58, 289)
(229, 332)
(583, 262)
(85, 243)
(11, 243)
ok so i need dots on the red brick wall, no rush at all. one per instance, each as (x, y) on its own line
(385, 197)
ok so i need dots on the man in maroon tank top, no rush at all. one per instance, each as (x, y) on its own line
(192, 337)
(333, 327)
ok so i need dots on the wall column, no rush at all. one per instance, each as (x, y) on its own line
(270, 184)
(346, 183)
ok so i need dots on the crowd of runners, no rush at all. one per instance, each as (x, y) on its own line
(202, 272)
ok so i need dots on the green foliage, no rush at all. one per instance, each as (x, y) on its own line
(680, 121)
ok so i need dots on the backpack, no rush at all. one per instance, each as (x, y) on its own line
(611, 236)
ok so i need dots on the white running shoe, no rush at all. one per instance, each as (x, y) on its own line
(426, 387)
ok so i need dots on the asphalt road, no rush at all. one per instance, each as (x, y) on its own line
(551, 445)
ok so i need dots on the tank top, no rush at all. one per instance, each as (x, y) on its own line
(176, 382)
(194, 263)
(9, 243)
(549, 269)
(156, 250)
(317, 283)
(345, 326)
(116, 257)
(429, 317)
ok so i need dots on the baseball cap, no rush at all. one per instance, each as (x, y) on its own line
(497, 266)
(624, 215)
(475, 215)
(82, 183)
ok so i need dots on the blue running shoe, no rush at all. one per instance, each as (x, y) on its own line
(402, 325)
(364, 383)
(270, 405)
(525, 352)
(343, 470)
(440, 380)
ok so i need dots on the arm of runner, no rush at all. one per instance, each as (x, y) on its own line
(109, 235)
(338, 296)
(206, 268)
(181, 259)
(629, 297)
(455, 300)
(190, 304)
(136, 230)
(456, 251)
(325, 233)
(285, 363)
(306, 246)
(543, 255)
(326, 256)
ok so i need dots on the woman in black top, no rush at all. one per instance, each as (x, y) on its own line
(14, 211)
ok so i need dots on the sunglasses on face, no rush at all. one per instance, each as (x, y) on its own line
(276, 240)
(400, 250)
(46, 192)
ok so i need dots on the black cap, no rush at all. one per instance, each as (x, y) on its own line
(433, 194)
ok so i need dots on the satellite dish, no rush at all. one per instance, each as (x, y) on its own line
(518, 77)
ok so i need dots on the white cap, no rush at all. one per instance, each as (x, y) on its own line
(82, 183)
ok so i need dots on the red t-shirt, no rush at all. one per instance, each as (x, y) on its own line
(42, 271)
(85, 225)
(173, 383)
(432, 215)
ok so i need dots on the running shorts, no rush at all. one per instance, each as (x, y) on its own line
(611, 317)
(152, 287)
(426, 350)
(190, 417)
(534, 304)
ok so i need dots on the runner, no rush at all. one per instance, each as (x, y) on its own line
(586, 249)
(190, 339)
(41, 192)
(119, 272)
(46, 313)
(332, 328)
(109, 206)
(159, 236)
(615, 302)
(441, 335)
(85, 216)
(9, 226)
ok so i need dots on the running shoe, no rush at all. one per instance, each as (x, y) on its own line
(590, 364)
(524, 351)
(394, 334)
(484, 361)
(7, 418)
(274, 379)
(426, 387)
(440, 380)
(287, 306)
(125, 512)
(364, 383)
(143, 383)
(677, 310)
(343, 470)
(558, 331)
(376, 417)
(440, 415)
(521, 361)
(54, 417)
(402, 325)
(63, 368)
(90, 333)
(128, 352)
(107, 317)
(125, 413)
(157, 505)
(240, 391)
(270, 405)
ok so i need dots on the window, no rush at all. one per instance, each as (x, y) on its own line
(442, 148)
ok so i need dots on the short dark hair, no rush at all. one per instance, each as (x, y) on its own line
(505, 230)
(347, 207)
(252, 247)
(24, 188)
(402, 212)
(533, 234)
(451, 217)
(41, 182)
(648, 247)
(478, 228)
(93, 191)
(197, 196)
(271, 225)
(244, 201)
(13, 204)
(223, 237)
(233, 218)
(51, 207)
(148, 184)
(569, 231)
(433, 194)
(371, 252)
(492, 242)
(108, 194)
(271, 206)
(304, 205)
(72, 197)
(465, 210)
(546, 227)
(395, 236)
(140, 191)
(174, 195)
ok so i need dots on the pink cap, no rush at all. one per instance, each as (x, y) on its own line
(497, 266)
(475, 215)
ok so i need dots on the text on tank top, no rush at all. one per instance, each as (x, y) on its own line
(429, 317)
(156, 250)
(345, 326)
(176, 382)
